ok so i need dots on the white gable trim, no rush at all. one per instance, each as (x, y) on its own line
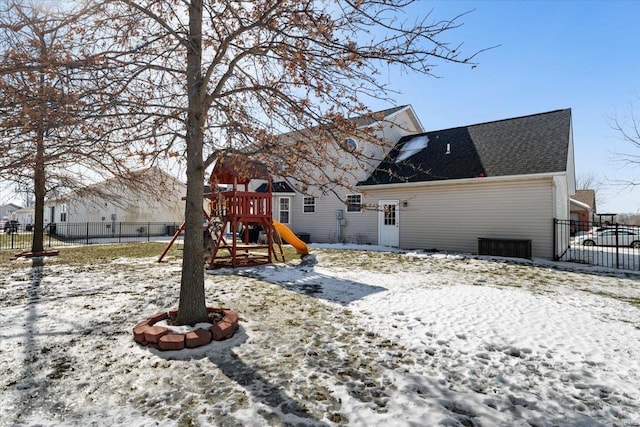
(580, 204)
(414, 117)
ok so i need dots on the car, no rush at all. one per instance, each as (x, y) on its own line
(612, 237)
(11, 226)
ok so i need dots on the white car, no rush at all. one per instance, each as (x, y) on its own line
(609, 237)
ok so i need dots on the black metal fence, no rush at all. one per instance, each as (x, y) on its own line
(603, 244)
(87, 233)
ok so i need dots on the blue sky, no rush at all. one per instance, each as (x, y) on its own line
(581, 55)
(554, 54)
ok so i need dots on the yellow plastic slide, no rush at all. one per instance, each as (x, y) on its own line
(288, 235)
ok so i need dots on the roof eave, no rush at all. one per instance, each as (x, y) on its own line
(388, 117)
(462, 181)
(580, 204)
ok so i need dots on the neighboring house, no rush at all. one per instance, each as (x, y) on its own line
(163, 206)
(24, 215)
(7, 211)
(323, 216)
(583, 208)
(444, 190)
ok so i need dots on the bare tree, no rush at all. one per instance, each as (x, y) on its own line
(49, 104)
(208, 78)
(592, 181)
(630, 131)
(588, 181)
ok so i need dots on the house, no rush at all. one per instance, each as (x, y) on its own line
(322, 216)
(445, 190)
(25, 216)
(109, 203)
(583, 208)
(7, 211)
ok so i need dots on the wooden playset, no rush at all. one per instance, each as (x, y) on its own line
(240, 229)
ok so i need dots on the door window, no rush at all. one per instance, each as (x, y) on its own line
(389, 214)
(284, 211)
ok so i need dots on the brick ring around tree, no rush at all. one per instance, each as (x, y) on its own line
(160, 337)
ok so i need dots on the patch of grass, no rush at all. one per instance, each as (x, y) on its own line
(5, 255)
(92, 254)
(289, 253)
(628, 299)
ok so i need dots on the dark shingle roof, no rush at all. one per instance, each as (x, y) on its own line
(532, 144)
(277, 187)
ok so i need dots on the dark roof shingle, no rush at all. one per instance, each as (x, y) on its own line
(277, 187)
(531, 144)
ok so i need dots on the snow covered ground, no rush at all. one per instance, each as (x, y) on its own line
(620, 257)
(361, 338)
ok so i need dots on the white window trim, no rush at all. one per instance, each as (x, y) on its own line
(63, 213)
(351, 144)
(288, 210)
(305, 205)
(347, 211)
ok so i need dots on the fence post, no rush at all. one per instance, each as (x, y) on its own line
(11, 234)
(555, 240)
(120, 232)
(148, 231)
(87, 235)
(617, 248)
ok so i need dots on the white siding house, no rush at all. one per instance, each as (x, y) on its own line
(444, 190)
(452, 215)
(132, 205)
(316, 213)
(502, 180)
(25, 216)
(8, 211)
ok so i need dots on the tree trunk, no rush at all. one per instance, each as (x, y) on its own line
(192, 306)
(39, 173)
(39, 184)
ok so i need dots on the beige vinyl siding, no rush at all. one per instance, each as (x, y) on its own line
(361, 227)
(451, 217)
(322, 226)
(561, 210)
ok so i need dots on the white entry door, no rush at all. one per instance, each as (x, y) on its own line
(388, 223)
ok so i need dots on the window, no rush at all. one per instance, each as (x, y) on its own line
(283, 213)
(309, 205)
(354, 203)
(63, 213)
(351, 144)
(389, 214)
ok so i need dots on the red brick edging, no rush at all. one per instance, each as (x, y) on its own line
(162, 338)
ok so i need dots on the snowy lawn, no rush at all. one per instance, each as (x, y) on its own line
(361, 338)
